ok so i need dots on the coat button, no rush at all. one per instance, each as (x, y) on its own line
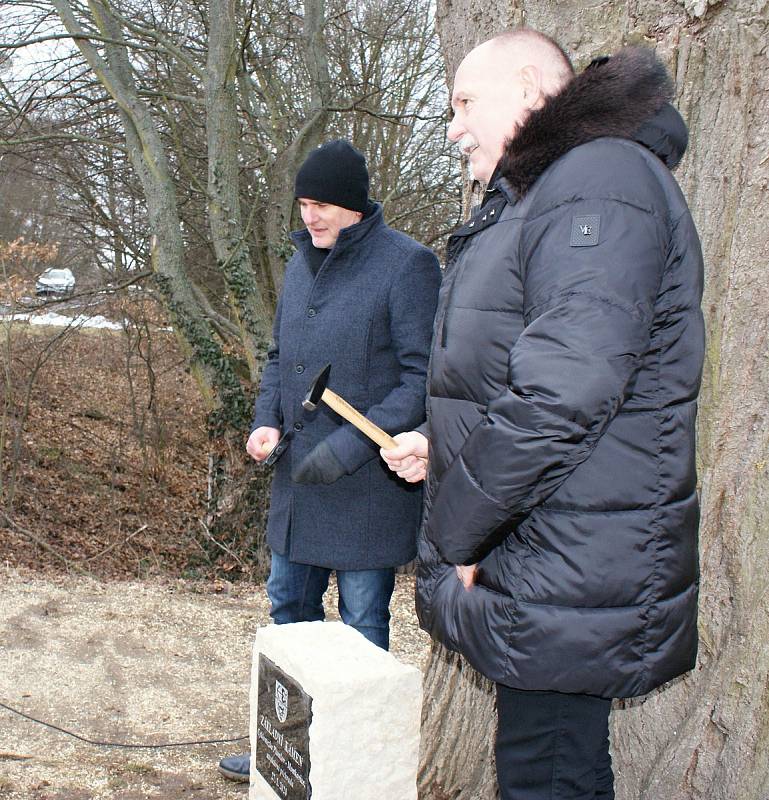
(299, 368)
(311, 312)
(298, 426)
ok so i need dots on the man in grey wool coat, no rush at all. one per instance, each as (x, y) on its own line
(361, 296)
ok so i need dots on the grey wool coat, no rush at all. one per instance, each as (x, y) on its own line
(369, 312)
(562, 400)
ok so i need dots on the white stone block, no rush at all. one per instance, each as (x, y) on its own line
(366, 711)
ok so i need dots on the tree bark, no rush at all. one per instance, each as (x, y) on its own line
(458, 722)
(225, 219)
(281, 172)
(704, 736)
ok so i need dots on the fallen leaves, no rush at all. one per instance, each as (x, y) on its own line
(110, 465)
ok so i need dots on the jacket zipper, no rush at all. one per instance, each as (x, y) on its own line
(449, 298)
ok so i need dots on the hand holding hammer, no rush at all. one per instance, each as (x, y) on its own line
(409, 459)
(319, 391)
(410, 464)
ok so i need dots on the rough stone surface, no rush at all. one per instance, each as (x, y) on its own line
(366, 708)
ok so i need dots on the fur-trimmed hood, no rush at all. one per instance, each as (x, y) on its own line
(612, 97)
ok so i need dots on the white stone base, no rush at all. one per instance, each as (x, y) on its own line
(366, 710)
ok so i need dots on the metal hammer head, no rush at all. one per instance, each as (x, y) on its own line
(317, 387)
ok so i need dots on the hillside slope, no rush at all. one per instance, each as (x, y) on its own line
(105, 455)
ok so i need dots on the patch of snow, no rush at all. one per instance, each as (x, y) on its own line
(60, 321)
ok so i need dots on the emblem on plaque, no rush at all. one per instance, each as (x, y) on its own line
(282, 752)
(281, 701)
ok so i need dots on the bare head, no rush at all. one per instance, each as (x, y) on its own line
(497, 86)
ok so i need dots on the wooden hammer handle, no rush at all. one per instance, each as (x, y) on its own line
(344, 409)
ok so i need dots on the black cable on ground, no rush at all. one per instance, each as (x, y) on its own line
(120, 744)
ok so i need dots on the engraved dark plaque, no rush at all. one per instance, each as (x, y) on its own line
(283, 716)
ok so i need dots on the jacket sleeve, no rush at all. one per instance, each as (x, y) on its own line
(412, 300)
(267, 406)
(588, 313)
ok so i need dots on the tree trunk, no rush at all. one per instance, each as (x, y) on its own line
(232, 521)
(283, 169)
(458, 723)
(212, 367)
(238, 498)
(704, 736)
(225, 219)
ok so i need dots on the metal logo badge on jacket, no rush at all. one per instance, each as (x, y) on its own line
(584, 230)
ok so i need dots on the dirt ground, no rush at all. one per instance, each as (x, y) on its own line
(141, 662)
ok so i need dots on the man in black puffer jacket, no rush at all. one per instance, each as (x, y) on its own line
(559, 545)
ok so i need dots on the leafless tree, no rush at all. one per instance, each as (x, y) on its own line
(184, 124)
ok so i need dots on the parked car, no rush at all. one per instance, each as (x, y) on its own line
(55, 281)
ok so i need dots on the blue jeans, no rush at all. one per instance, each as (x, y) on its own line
(296, 595)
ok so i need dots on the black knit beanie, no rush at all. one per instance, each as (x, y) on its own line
(334, 173)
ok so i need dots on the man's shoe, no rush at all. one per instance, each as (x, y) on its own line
(236, 768)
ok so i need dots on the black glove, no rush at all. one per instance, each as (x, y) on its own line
(320, 465)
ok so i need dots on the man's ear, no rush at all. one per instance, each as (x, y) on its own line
(531, 81)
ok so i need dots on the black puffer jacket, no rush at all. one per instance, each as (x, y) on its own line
(566, 363)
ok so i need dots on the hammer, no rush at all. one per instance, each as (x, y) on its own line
(318, 391)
